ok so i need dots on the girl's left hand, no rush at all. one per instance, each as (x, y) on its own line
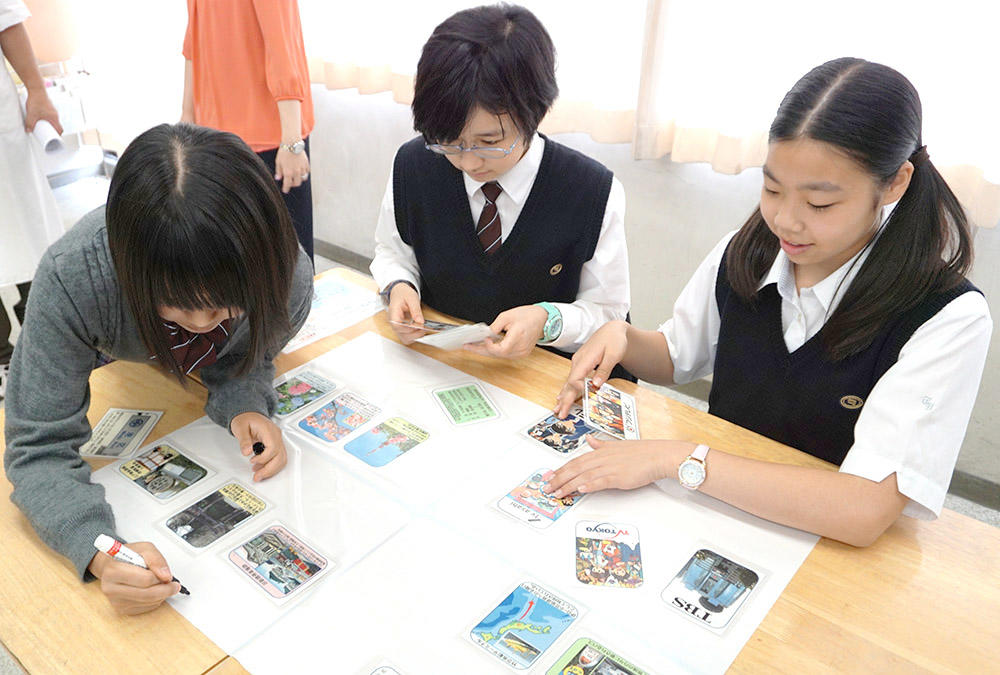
(291, 169)
(625, 465)
(251, 427)
(521, 328)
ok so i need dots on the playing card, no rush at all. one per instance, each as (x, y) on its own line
(466, 403)
(588, 657)
(607, 554)
(386, 441)
(710, 589)
(120, 432)
(278, 561)
(216, 515)
(339, 418)
(561, 435)
(524, 625)
(454, 338)
(163, 471)
(611, 411)
(527, 503)
(300, 390)
(428, 325)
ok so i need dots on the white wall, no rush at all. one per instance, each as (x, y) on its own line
(675, 214)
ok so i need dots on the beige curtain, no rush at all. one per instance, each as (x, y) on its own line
(713, 72)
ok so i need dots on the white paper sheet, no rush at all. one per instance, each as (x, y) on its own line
(422, 552)
(336, 305)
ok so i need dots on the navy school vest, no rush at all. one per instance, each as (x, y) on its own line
(800, 399)
(555, 234)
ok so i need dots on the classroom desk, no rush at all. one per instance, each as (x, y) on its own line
(925, 597)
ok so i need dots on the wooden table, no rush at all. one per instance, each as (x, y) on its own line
(924, 597)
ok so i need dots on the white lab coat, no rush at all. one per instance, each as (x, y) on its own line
(29, 218)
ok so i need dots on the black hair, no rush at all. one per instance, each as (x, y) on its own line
(872, 114)
(195, 221)
(497, 57)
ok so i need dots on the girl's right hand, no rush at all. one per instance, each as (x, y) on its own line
(404, 305)
(599, 355)
(131, 589)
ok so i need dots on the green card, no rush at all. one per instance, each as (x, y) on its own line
(587, 656)
(466, 403)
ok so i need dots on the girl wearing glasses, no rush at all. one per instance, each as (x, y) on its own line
(484, 218)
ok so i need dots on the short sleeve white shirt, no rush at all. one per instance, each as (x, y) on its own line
(915, 417)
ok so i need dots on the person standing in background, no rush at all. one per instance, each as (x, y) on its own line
(246, 73)
(29, 219)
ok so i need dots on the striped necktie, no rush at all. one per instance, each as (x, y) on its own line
(488, 229)
(196, 350)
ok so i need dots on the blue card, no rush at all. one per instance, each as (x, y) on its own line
(386, 441)
(524, 625)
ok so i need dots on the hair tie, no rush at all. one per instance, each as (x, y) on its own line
(920, 155)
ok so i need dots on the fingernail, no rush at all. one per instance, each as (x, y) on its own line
(548, 475)
(582, 489)
(165, 572)
(557, 494)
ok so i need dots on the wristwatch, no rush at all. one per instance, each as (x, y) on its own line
(553, 324)
(295, 148)
(692, 471)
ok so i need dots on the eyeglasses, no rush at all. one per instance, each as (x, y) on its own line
(478, 151)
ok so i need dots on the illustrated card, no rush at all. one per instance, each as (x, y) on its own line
(588, 657)
(710, 589)
(466, 403)
(607, 554)
(339, 418)
(524, 625)
(278, 561)
(386, 441)
(216, 515)
(120, 432)
(300, 390)
(611, 411)
(561, 435)
(527, 503)
(163, 471)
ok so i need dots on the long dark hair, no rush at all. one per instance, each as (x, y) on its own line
(872, 114)
(497, 57)
(195, 221)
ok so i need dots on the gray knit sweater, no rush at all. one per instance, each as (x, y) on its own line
(75, 311)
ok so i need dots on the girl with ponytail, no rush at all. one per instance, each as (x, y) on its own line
(837, 320)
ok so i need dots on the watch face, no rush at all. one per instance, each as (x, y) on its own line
(691, 473)
(555, 328)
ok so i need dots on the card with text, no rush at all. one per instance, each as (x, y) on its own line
(710, 589)
(300, 390)
(466, 403)
(120, 432)
(216, 515)
(589, 657)
(527, 502)
(163, 471)
(610, 410)
(339, 418)
(607, 554)
(278, 561)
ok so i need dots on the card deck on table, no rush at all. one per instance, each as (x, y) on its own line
(278, 561)
(466, 403)
(386, 441)
(587, 657)
(216, 515)
(611, 411)
(607, 554)
(710, 589)
(527, 503)
(300, 390)
(163, 471)
(120, 432)
(524, 625)
(339, 418)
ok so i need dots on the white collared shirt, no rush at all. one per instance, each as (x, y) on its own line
(915, 417)
(604, 282)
